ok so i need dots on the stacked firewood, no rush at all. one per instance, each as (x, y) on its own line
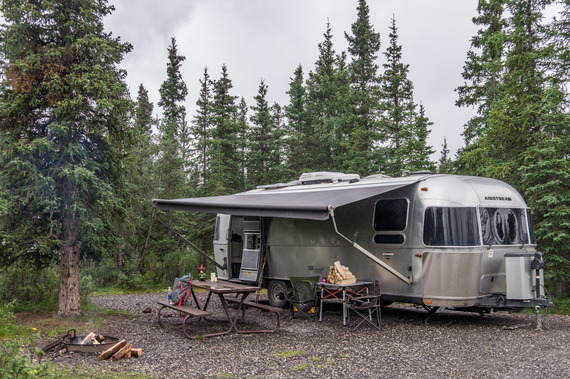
(120, 350)
(339, 274)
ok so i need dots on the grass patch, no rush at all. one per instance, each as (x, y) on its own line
(21, 356)
(289, 353)
(561, 306)
(302, 367)
(50, 324)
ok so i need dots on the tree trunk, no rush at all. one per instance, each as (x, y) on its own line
(69, 301)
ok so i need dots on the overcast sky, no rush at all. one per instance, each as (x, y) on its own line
(268, 39)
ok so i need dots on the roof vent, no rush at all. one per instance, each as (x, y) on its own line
(327, 177)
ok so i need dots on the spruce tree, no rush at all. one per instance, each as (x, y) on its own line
(363, 46)
(399, 110)
(63, 125)
(445, 163)
(419, 152)
(483, 73)
(141, 183)
(223, 174)
(242, 143)
(484, 66)
(324, 110)
(514, 117)
(262, 149)
(201, 131)
(523, 135)
(545, 177)
(299, 128)
(173, 92)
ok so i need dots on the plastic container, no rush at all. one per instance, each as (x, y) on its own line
(169, 295)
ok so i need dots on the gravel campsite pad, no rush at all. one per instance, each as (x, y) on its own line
(452, 344)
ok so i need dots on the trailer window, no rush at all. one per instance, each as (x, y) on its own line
(451, 227)
(503, 226)
(389, 239)
(217, 229)
(390, 215)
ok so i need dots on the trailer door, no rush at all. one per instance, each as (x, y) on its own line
(221, 244)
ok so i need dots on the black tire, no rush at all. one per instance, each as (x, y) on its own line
(276, 291)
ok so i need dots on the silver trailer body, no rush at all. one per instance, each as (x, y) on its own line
(436, 240)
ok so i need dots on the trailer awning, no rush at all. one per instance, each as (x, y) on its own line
(303, 202)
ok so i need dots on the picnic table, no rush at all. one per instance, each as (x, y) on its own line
(221, 288)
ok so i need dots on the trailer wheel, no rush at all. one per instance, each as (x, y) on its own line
(276, 291)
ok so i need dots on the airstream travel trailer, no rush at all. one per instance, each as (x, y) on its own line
(434, 240)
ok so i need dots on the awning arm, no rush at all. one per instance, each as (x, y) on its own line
(366, 252)
(196, 249)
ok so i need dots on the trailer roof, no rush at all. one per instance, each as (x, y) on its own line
(299, 201)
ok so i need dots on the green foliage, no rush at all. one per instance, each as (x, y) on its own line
(30, 287)
(64, 109)
(363, 46)
(403, 129)
(520, 133)
(289, 353)
(264, 153)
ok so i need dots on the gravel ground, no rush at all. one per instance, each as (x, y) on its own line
(452, 344)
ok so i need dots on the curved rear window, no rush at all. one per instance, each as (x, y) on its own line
(504, 226)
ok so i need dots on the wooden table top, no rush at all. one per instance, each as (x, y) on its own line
(224, 286)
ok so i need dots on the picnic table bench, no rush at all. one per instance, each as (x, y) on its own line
(263, 307)
(187, 311)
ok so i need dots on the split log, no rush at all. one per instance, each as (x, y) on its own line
(121, 353)
(113, 349)
(88, 337)
(136, 352)
(340, 270)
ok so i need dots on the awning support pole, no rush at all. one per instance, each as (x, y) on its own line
(366, 252)
(196, 249)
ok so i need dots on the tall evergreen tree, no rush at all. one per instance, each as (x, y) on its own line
(242, 142)
(398, 121)
(279, 156)
(484, 67)
(262, 148)
(483, 73)
(224, 174)
(173, 92)
(299, 128)
(363, 46)
(323, 108)
(201, 130)
(545, 177)
(419, 152)
(63, 121)
(514, 117)
(141, 181)
(445, 163)
(525, 126)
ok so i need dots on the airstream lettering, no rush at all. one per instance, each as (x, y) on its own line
(435, 240)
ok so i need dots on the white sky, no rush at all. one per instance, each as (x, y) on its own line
(268, 39)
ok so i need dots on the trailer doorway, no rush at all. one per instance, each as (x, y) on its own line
(237, 240)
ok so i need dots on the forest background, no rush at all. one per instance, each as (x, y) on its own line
(81, 160)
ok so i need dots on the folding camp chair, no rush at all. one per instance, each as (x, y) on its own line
(303, 296)
(366, 307)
